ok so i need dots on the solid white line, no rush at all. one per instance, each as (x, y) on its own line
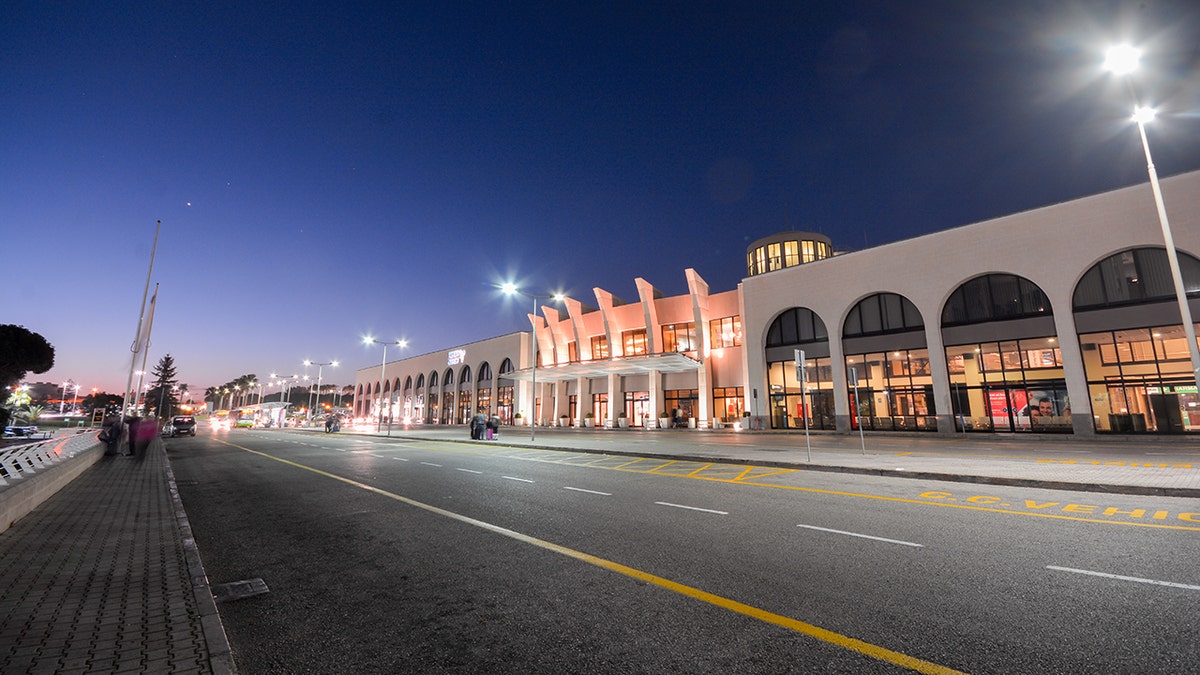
(400, 459)
(1106, 575)
(591, 492)
(864, 536)
(469, 471)
(430, 464)
(375, 455)
(523, 480)
(692, 508)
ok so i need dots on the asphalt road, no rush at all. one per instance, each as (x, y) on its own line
(420, 556)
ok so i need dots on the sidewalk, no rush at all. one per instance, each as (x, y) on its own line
(1168, 467)
(105, 577)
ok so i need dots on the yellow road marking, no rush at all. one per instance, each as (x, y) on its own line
(753, 473)
(837, 639)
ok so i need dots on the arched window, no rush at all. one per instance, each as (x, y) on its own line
(1133, 277)
(799, 328)
(795, 326)
(999, 377)
(880, 314)
(994, 297)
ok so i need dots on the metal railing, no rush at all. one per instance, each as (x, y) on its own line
(23, 460)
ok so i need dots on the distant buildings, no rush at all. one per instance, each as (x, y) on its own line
(1058, 320)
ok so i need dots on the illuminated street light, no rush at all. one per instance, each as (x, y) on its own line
(62, 402)
(319, 367)
(382, 377)
(1123, 60)
(511, 289)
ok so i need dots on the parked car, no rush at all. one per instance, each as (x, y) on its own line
(183, 425)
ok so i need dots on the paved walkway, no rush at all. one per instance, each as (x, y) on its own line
(104, 577)
(99, 579)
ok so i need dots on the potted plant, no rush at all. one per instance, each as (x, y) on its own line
(664, 420)
(622, 420)
(589, 420)
(517, 419)
(562, 420)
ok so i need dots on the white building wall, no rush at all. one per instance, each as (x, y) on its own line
(1051, 246)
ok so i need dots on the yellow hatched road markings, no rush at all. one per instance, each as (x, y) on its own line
(813, 631)
(748, 475)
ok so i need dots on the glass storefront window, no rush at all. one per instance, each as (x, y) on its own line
(895, 390)
(1015, 385)
(681, 403)
(1140, 380)
(789, 407)
(728, 403)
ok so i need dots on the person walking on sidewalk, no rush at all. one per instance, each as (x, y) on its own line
(111, 435)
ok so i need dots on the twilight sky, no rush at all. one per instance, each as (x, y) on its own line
(324, 171)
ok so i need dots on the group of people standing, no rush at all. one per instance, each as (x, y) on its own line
(484, 427)
(128, 437)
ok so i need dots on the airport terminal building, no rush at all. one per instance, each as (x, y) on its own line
(1062, 319)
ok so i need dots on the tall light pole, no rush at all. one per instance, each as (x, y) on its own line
(1123, 60)
(62, 402)
(319, 366)
(511, 289)
(382, 377)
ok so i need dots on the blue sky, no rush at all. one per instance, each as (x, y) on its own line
(323, 172)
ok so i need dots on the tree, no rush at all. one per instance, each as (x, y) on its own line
(22, 351)
(111, 403)
(163, 391)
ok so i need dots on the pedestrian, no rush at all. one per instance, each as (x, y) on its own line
(478, 422)
(132, 424)
(110, 435)
(492, 426)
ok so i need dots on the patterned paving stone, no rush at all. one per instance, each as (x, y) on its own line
(96, 579)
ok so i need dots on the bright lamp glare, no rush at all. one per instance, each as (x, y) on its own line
(1122, 59)
(1143, 114)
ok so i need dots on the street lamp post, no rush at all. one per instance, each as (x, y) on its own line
(1123, 60)
(382, 377)
(62, 402)
(319, 366)
(511, 289)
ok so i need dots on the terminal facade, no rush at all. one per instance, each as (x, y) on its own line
(1062, 319)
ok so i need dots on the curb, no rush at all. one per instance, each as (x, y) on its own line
(220, 654)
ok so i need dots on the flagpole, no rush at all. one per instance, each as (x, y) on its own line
(137, 393)
(137, 336)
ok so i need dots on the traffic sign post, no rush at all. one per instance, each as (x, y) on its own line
(802, 375)
(857, 421)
